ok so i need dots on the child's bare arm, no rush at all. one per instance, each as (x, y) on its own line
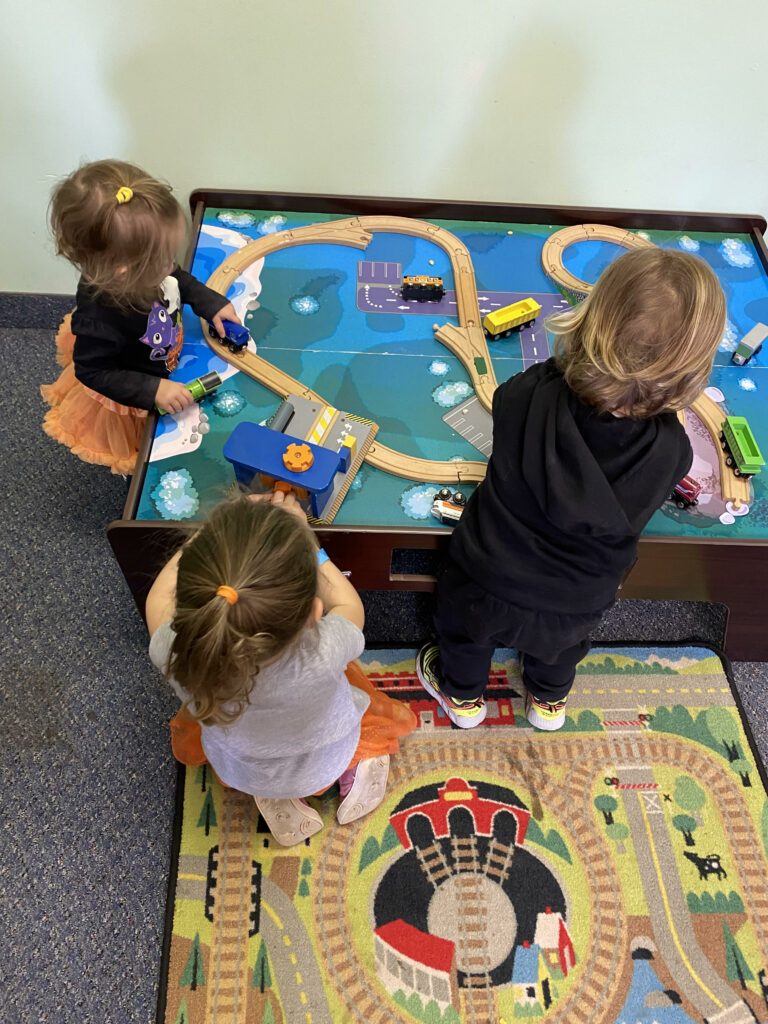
(338, 595)
(161, 599)
(334, 589)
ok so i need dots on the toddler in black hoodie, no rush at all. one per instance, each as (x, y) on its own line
(586, 446)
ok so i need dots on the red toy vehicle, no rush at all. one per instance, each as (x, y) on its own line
(686, 493)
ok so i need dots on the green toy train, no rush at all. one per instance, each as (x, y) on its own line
(739, 444)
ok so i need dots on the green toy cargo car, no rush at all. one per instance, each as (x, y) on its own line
(740, 446)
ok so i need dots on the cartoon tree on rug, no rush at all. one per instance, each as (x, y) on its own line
(269, 1015)
(373, 849)
(606, 804)
(182, 1017)
(201, 778)
(193, 975)
(306, 869)
(617, 832)
(262, 976)
(724, 730)
(690, 796)
(207, 817)
(717, 904)
(736, 966)
(552, 841)
(743, 768)
(686, 824)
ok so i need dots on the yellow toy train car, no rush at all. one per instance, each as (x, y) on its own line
(502, 322)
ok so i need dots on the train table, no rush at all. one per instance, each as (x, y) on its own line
(367, 353)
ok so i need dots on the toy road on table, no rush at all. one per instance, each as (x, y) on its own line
(323, 300)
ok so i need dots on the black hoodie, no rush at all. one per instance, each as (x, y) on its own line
(555, 523)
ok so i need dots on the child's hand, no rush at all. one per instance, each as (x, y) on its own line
(227, 313)
(172, 396)
(287, 501)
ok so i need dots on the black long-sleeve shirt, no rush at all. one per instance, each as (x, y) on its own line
(123, 354)
(554, 525)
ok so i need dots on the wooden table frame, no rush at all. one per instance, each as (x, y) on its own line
(732, 572)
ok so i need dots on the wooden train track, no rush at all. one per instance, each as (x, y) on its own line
(733, 488)
(554, 247)
(467, 341)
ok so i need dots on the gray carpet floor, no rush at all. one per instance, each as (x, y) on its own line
(87, 773)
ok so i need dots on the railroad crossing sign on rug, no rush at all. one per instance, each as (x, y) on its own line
(611, 873)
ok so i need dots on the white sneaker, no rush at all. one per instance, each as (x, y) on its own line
(466, 714)
(545, 716)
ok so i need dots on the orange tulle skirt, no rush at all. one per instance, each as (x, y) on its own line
(385, 721)
(93, 427)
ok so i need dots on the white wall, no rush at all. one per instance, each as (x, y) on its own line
(654, 104)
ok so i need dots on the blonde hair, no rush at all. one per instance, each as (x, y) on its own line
(268, 556)
(122, 249)
(643, 341)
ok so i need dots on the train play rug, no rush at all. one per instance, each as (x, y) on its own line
(611, 873)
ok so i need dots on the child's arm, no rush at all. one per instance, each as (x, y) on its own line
(338, 595)
(334, 589)
(205, 302)
(161, 599)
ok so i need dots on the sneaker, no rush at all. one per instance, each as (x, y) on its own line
(289, 821)
(545, 716)
(362, 788)
(464, 713)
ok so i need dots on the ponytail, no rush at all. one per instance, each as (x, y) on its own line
(265, 557)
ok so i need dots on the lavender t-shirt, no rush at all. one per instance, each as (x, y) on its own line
(302, 725)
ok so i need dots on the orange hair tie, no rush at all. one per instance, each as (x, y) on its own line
(229, 593)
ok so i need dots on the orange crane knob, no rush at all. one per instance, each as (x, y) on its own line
(298, 458)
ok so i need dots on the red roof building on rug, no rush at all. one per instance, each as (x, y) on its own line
(458, 792)
(431, 716)
(407, 680)
(554, 938)
(415, 961)
(500, 710)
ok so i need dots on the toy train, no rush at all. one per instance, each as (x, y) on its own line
(502, 322)
(200, 387)
(686, 493)
(422, 288)
(447, 506)
(741, 451)
(236, 337)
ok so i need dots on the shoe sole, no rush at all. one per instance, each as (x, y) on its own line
(462, 723)
(289, 821)
(368, 789)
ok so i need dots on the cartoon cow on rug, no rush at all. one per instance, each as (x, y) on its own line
(709, 865)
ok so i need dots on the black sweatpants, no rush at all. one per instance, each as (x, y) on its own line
(471, 624)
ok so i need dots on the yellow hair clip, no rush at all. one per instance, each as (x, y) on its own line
(124, 195)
